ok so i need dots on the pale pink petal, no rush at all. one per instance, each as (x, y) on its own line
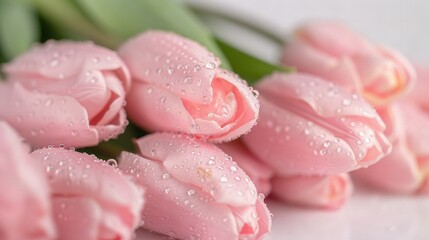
(334, 52)
(329, 191)
(310, 126)
(264, 218)
(397, 172)
(167, 60)
(57, 61)
(258, 172)
(36, 115)
(184, 210)
(335, 38)
(201, 164)
(25, 206)
(384, 76)
(77, 217)
(89, 182)
(308, 59)
(415, 120)
(418, 94)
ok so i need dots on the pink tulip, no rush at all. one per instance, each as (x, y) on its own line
(91, 200)
(329, 191)
(178, 86)
(194, 190)
(25, 211)
(259, 173)
(334, 52)
(65, 93)
(309, 126)
(406, 169)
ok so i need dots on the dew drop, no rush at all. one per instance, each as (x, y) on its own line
(165, 176)
(191, 192)
(210, 65)
(327, 144)
(187, 80)
(197, 68)
(224, 179)
(323, 152)
(233, 169)
(54, 62)
(112, 162)
(167, 190)
(346, 102)
(162, 99)
(74, 133)
(170, 70)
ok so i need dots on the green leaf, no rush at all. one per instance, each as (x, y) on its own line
(18, 28)
(247, 66)
(127, 18)
(66, 16)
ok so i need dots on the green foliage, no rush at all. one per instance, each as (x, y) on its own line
(247, 66)
(18, 28)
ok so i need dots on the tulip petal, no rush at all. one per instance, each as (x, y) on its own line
(56, 61)
(315, 191)
(399, 171)
(310, 60)
(201, 164)
(258, 172)
(76, 218)
(170, 61)
(324, 35)
(25, 206)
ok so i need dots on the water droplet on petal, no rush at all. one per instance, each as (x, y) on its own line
(224, 179)
(187, 80)
(112, 162)
(346, 102)
(191, 192)
(210, 65)
(327, 144)
(197, 68)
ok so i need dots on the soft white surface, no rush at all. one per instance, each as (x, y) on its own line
(399, 23)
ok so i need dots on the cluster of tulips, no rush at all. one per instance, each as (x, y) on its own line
(217, 147)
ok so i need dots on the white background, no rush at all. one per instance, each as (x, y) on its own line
(402, 24)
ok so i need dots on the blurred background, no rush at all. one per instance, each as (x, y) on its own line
(396, 23)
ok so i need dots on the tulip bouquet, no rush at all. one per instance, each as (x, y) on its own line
(116, 120)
